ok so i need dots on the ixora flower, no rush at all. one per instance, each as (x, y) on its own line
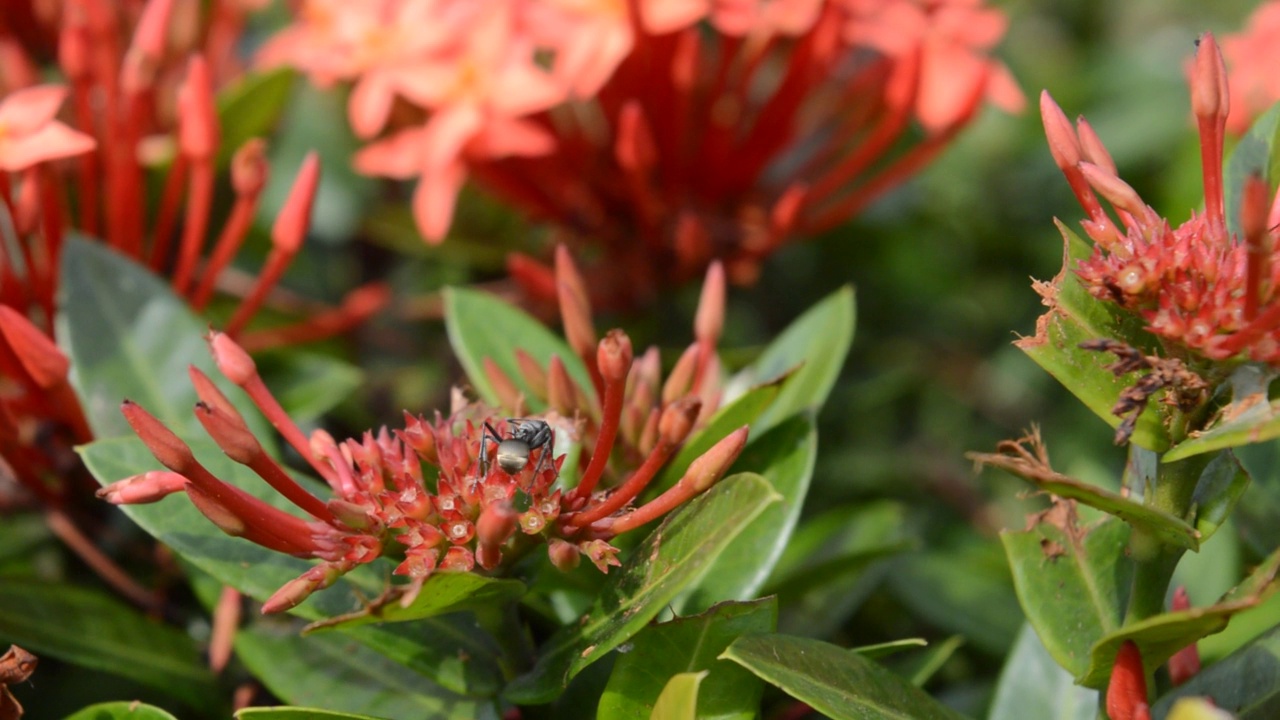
(483, 507)
(1197, 286)
(661, 134)
(1252, 55)
(127, 97)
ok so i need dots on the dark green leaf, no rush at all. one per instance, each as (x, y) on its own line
(1217, 491)
(1032, 684)
(836, 682)
(1072, 583)
(251, 108)
(296, 713)
(1159, 637)
(1073, 317)
(689, 645)
(679, 699)
(338, 673)
(89, 628)
(1246, 683)
(1249, 418)
(120, 711)
(674, 555)
(886, 649)
(442, 593)
(482, 326)
(919, 665)
(785, 456)
(816, 342)
(832, 564)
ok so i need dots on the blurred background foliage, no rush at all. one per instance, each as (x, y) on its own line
(941, 267)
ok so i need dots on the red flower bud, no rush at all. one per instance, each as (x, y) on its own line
(1127, 691)
(148, 487)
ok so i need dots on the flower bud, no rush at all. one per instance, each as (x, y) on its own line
(680, 380)
(708, 467)
(148, 487)
(232, 360)
(1209, 95)
(613, 356)
(564, 555)
(249, 167)
(677, 420)
(300, 588)
(575, 304)
(497, 522)
(198, 133)
(294, 219)
(1063, 143)
(37, 353)
(1127, 691)
(160, 440)
(709, 320)
(230, 433)
(458, 559)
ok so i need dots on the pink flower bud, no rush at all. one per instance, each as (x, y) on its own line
(458, 559)
(1185, 663)
(231, 359)
(1063, 143)
(249, 168)
(300, 588)
(1115, 190)
(230, 433)
(148, 46)
(294, 220)
(148, 487)
(613, 356)
(160, 440)
(601, 553)
(1127, 691)
(677, 420)
(38, 354)
(709, 466)
(1209, 95)
(198, 134)
(680, 381)
(709, 320)
(575, 304)
(564, 555)
(497, 522)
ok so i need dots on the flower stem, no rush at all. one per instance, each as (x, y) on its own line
(1155, 561)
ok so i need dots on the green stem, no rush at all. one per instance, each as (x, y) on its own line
(1154, 561)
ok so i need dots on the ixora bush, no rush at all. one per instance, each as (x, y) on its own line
(449, 581)
(1170, 335)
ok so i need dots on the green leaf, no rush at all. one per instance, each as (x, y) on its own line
(742, 411)
(120, 711)
(1246, 682)
(129, 336)
(338, 673)
(674, 555)
(1159, 637)
(482, 326)
(90, 628)
(679, 699)
(443, 592)
(296, 713)
(921, 665)
(1217, 491)
(1072, 583)
(687, 645)
(251, 108)
(1249, 418)
(817, 343)
(1255, 154)
(961, 584)
(308, 384)
(1073, 317)
(833, 681)
(1032, 684)
(887, 649)
(785, 456)
(832, 564)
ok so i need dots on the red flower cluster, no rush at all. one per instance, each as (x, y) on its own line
(667, 133)
(1195, 285)
(494, 493)
(136, 104)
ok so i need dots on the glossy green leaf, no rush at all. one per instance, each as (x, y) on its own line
(836, 682)
(128, 336)
(296, 713)
(1159, 637)
(816, 343)
(679, 699)
(1248, 418)
(90, 628)
(251, 108)
(1246, 682)
(1075, 317)
(483, 326)
(961, 585)
(121, 711)
(887, 649)
(660, 653)
(1032, 684)
(1255, 154)
(308, 384)
(338, 673)
(785, 456)
(1257, 515)
(1072, 582)
(443, 592)
(675, 554)
(742, 411)
(833, 562)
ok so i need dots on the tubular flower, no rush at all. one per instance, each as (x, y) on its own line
(137, 101)
(668, 133)
(1197, 285)
(1251, 55)
(481, 503)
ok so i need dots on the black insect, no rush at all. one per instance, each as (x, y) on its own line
(524, 435)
